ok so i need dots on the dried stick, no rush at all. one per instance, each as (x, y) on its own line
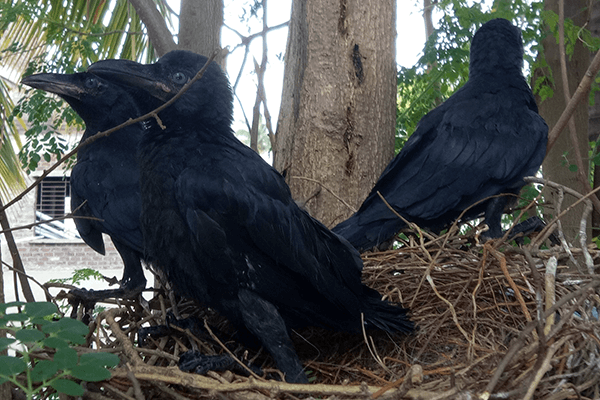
(550, 289)
(16, 257)
(519, 342)
(581, 198)
(128, 349)
(502, 260)
(29, 277)
(193, 381)
(545, 367)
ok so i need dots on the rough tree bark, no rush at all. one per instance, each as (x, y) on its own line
(196, 18)
(557, 161)
(594, 115)
(199, 26)
(337, 121)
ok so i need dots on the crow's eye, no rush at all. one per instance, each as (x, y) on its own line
(179, 78)
(91, 83)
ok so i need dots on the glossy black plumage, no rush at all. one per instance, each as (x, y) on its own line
(223, 226)
(105, 180)
(480, 142)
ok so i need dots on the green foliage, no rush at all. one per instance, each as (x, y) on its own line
(40, 329)
(63, 37)
(80, 275)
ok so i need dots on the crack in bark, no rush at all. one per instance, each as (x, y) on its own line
(348, 135)
(342, 22)
(358, 67)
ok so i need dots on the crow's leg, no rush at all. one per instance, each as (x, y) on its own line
(132, 284)
(264, 321)
(493, 216)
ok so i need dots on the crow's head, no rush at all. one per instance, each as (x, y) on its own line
(96, 100)
(496, 48)
(207, 102)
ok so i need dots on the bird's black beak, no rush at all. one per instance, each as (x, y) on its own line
(60, 84)
(133, 74)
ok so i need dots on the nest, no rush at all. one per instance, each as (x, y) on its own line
(495, 321)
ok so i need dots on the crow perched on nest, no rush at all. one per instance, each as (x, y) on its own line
(105, 180)
(480, 142)
(222, 224)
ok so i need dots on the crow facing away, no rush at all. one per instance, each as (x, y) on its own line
(480, 142)
(105, 179)
(222, 224)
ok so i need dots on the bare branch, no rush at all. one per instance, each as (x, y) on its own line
(579, 95)
(158, 32)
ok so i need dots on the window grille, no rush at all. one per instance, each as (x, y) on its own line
(53, 201)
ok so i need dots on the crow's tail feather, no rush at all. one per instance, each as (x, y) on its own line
(386, 316)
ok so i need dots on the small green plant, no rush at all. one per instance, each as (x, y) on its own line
(35, 329)
(81, 275)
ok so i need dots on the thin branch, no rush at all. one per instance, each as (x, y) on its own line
(245, 40)
(326, 188)
(579, 95)
(16, 257)
(583, 179)
(158, 32)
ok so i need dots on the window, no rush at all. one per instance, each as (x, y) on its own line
(54, 201)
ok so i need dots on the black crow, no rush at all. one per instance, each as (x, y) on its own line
(105, 180)
(480, 142)
(222, 224)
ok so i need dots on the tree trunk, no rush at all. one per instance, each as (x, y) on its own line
(200, 25)
(337, 121)
(594, 115)
(557, 162)
(158, 32)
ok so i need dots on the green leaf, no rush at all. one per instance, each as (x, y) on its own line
(5, 342)
(44, 370)
(67, 387)
(74, 326)
(29, 335)
(11, 366)
(3, 307)
(91, 373)
(56, 343)
(16, 317)
(66, 358)
(91, 367)
(70, 325)
(573, 168)
(100, 358)
(72, 337)
(42, 308)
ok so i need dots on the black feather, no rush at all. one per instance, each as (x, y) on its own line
(223, 226)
